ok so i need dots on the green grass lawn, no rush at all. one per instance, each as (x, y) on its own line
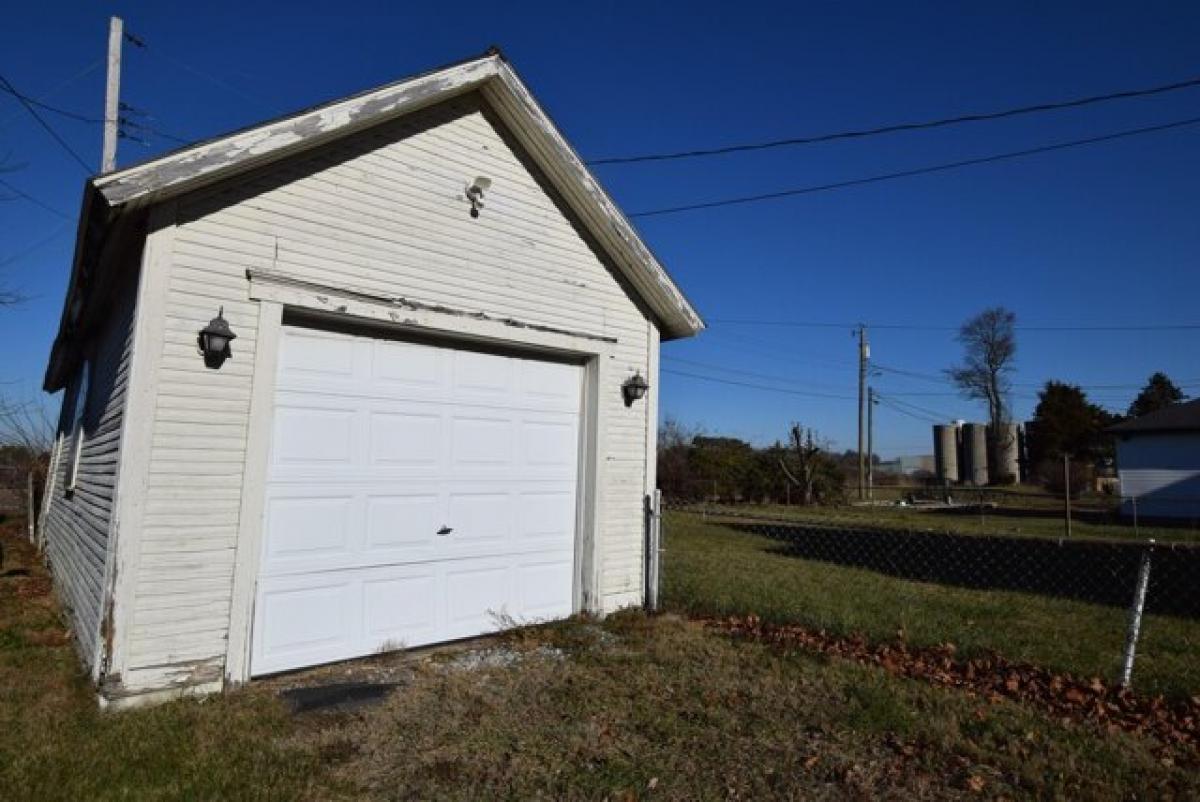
(629, 708)
(709, 568)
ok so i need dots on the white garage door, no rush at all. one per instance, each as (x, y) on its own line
(415, 494)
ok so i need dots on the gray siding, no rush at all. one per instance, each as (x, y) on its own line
(78, 524)
(1162, 471)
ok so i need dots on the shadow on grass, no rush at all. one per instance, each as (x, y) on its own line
(1099, 572)
(1090, 515)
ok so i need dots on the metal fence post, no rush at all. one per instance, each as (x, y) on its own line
(653, 548)
(31, 513)
(1135, 615)
(1067, 491)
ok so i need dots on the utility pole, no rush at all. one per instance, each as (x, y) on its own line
(870, 444)
(112, 96)
(864, 354)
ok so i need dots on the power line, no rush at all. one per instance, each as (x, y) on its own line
(806, 324)
(53, 109)
(935, 168)
(128, 122)
(140, 43)
(41, 243)
(756, 345)
(1184, 383)
(33, 111)
(756, 386)
(912, 374)
(752, 374)
(909, 405)
(124, 121)
(26, 196)
(913, 126)
(889, 404)
(60, 86)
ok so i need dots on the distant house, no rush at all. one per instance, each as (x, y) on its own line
(1158, 462)
(438, 413)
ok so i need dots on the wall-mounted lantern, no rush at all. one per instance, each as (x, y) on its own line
(214, 340)
(635, 387)
(475, 193)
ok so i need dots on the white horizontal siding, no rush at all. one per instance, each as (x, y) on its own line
(1162, 471)
(78, 524)
(381, 212)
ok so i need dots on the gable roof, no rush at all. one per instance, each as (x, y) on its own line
(1182, 417)
(112, 196)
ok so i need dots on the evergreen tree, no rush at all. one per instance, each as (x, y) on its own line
(1158, 393)
(1065, 422)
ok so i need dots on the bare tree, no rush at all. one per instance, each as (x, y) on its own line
(26, 437)
(990, 343)
(26, 427)
(806, 454)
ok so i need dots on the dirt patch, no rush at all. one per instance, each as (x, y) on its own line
(500, 657)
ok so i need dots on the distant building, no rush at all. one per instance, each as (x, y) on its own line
(907, 466)
(1158, 462)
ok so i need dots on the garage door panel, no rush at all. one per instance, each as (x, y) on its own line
(545, 515)
(406, 364)
(402, 609)
(305, 527)
(311, 435)
(479, 598)
(302, 622)
(549, 443)
(552, 384)
(480, 517)
(379, 445)
(410, 438)
(545, 588)
(403, 523)
(481, 375)
(481, 441)
(315, 354)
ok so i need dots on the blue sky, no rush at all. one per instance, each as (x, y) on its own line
(1095, 236)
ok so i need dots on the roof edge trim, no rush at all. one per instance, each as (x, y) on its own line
(206, 162)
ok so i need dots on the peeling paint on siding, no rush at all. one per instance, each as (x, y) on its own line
(323, 293)
(338, 118)
(182, 674)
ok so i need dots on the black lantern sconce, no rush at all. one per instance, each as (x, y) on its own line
(634, 387)
(214, 340)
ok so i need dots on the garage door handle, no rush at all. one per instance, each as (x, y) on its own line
(445, 530)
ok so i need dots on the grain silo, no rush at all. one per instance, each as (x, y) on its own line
(974, 468)
(1006, 460)
(945, 453)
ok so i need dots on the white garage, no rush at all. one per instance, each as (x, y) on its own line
(376, 375)
(416, 493)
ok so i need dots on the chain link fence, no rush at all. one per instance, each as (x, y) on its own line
(1095, 594)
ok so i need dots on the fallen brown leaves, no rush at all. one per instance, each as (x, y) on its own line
(1176, 724)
